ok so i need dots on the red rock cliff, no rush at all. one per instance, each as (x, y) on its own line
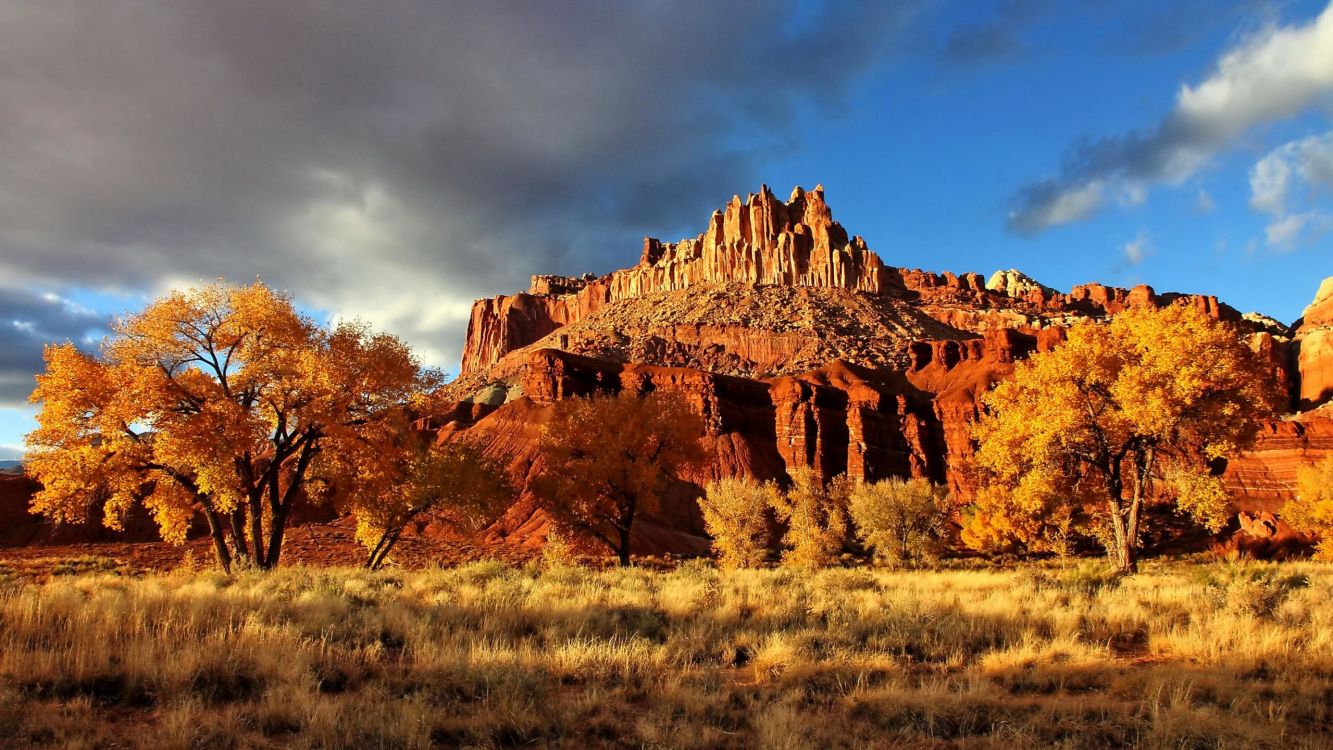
(764, 241)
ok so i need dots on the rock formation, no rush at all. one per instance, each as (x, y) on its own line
(764, 247)
(1314, 342)
(801, 347)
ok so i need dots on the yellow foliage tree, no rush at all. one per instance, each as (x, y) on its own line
(816, 518)
(902, 520)
(1311, 510)
(454, 481)
(1090, 426)
(216, 400)
(605, 459)
(735, 516)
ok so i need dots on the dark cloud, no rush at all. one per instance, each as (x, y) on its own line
(392, 161)
(998, 39)
(29, 321)
(1170, 27)
(983, 44)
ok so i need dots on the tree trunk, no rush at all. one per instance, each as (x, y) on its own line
(257, 531)
(277, 526)
(1128, 557)
(238, 532)
(382, 548)
(1123, 556)
(625, 526)
(219, 540)
(622, 551)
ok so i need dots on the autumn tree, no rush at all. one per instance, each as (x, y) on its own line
(452, 481)
(902, 520)
(815, 513)
(214, 401)
(735, 516)
(606, 459)
(1116, 413)
(1311, 510)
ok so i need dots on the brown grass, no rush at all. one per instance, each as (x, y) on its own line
(489, 655)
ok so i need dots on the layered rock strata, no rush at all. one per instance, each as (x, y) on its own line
(766, 242)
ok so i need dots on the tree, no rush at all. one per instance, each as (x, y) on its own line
(902, 520)
(606, 459)
(453, 480)
(1311, 510)
(734, 511)
(816, 518)
(215, 401)
(1090, 427)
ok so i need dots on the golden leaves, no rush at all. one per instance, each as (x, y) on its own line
(194, 398)
(1149, 394)
(1311, 510)
(606, 458)
(735, 516)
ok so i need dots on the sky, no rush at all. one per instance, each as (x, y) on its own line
(393, 162)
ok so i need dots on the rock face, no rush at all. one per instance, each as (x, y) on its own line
(802, 348)
(760, 245)
(1314, 342)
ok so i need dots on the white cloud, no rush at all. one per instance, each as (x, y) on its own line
(1137, 248)
(1063, 207)
(1294, 173)
(1294, 229)
(1205, 202)
(1272, 75)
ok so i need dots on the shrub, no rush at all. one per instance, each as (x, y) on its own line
(901, 520)
(1312, 508)
(734, 516)
(557, 553)
(816, 518)
(1087, 578)
(1248, 587)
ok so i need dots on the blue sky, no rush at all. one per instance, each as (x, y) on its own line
(395, 166)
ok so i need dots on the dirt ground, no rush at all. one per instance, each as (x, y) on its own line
(321, 545)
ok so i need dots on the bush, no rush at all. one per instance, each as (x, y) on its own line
(816, 518)
(1312, 508)
(901, 520)
(734, 516)
(1087, 578)
(1248, 587)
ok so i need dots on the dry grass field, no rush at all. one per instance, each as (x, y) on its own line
(1184, 655)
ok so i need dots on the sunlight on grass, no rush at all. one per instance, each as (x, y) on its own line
(487, 655)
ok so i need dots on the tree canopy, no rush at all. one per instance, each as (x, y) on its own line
(452, 480)
(607, 458)
(1119, 412)
(216, 401)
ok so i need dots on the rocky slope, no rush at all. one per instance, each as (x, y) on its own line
(803, 348)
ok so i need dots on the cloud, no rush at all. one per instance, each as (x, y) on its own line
(1293, 173)
(1169, 27)
(1137, 248)
(28, 321)
(997, 39)
(1272, 75)
(392, 165)
(1204, 202)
